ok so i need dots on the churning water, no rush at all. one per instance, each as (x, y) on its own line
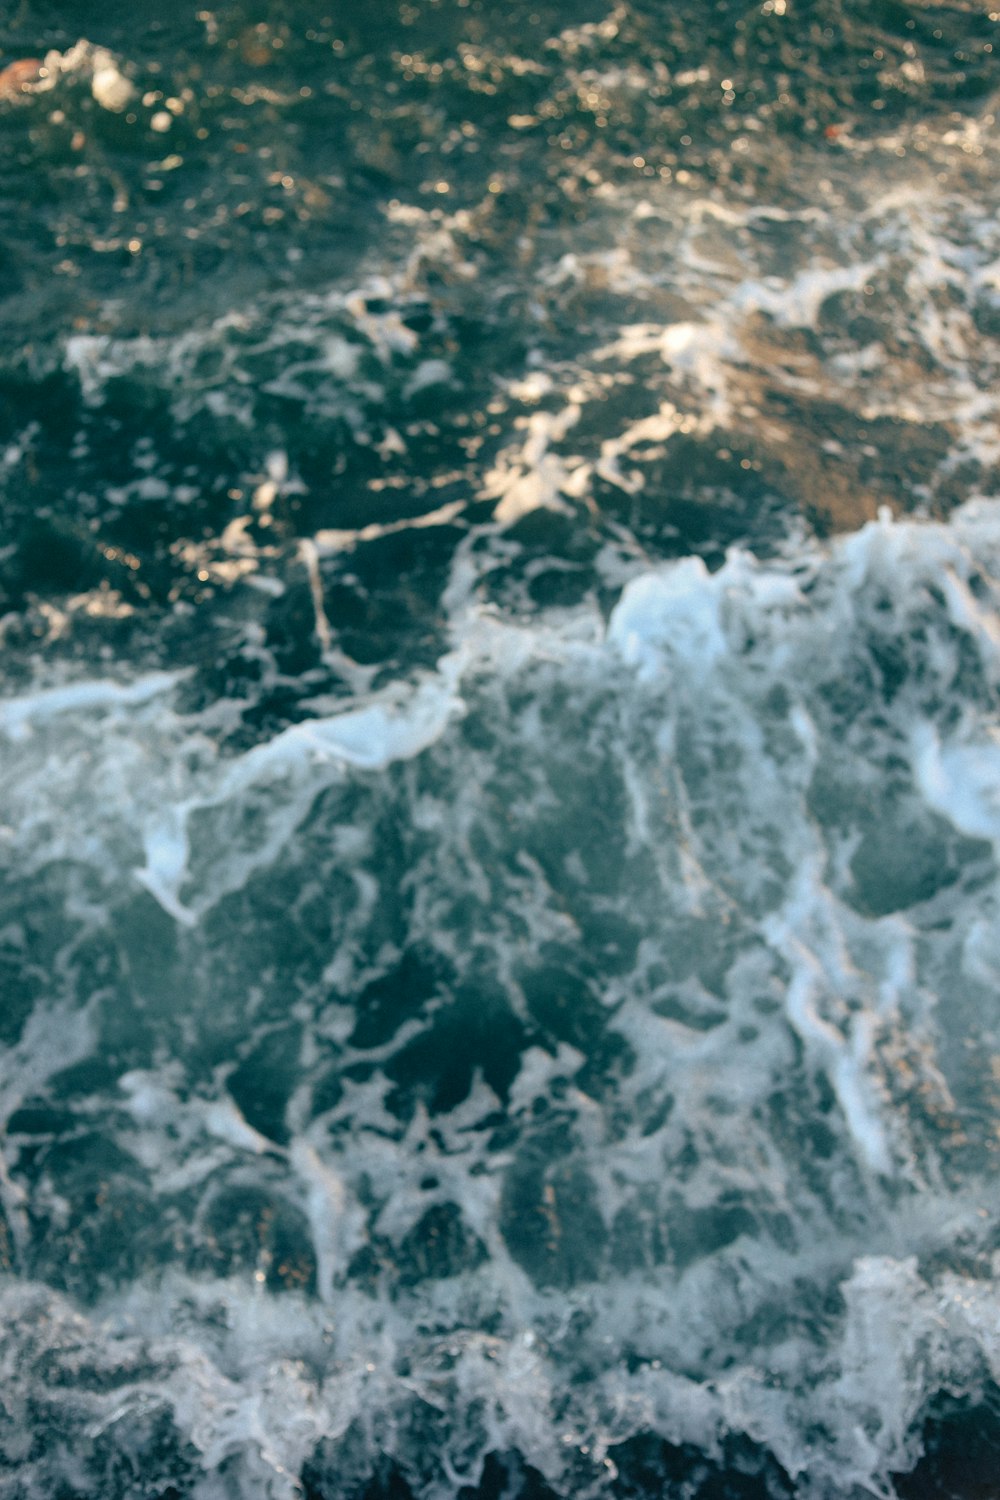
(500, 751)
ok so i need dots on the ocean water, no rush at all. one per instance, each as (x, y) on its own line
(500, 750)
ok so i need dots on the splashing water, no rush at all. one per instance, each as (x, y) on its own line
(499, 755)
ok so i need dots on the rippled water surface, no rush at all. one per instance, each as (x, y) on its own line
(499, 751)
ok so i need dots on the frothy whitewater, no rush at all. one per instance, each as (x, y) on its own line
(596, 1039)
(500, 756)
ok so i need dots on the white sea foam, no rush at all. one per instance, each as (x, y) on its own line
(775, 1001)
(960, 780)
(17, 715)
(592, 1035)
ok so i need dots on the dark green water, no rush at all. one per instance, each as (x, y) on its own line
(499, 751)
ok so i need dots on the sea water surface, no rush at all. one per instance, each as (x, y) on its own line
(499, 750)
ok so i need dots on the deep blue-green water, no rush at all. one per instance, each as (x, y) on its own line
(499, 750)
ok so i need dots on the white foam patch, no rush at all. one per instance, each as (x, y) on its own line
(18, 715)
(961, 781)
(782, 1122)
(671, 614)
(797, 303)
(710, 282)
(257, 1384)
(530, 476)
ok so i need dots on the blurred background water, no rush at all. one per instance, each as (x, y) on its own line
(499, 750)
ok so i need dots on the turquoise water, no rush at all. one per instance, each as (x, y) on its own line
(499, 752)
